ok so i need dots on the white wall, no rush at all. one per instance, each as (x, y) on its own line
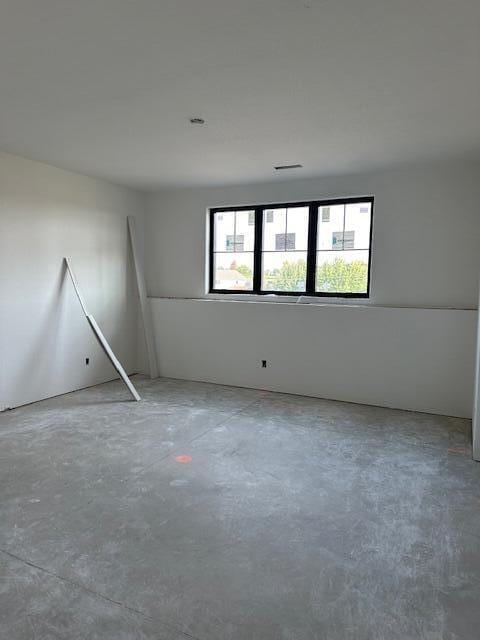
(426, 235)
(418, 359)
(46, 214)
(426, 232)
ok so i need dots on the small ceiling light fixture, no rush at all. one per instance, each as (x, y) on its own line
(281, 167)
(197, 121)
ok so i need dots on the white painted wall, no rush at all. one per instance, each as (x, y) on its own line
(426, 232)
(417, 359)
(426, 235)
(46, 214)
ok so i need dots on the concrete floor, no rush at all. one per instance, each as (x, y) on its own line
(295, 519)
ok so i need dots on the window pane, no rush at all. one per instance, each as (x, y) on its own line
(244, 229)
(345, 272)
(224, 230)
(284, 271)
(233, 231)
(357, 222)
(297, 226)
(274, 223)
(234, 272)
(330, 227)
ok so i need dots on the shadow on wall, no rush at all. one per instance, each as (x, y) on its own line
(47, 348)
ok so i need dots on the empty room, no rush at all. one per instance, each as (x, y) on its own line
(239, 286)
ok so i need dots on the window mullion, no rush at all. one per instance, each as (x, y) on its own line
(211, 283)
(257, 256)
(312, 248)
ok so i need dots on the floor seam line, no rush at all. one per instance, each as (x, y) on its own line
(102, 596)
(166, 456)
(187, 442)
(71, 582)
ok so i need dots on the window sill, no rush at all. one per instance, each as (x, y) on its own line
(279, 299)
(308, 301)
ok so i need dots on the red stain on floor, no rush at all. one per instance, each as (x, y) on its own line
(458, 450)
(183, 459)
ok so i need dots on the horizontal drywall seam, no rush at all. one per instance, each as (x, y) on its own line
(316, 304)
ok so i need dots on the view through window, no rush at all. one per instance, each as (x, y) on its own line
(284, 250)
(343, 248)
(234, 239)
(317, 248)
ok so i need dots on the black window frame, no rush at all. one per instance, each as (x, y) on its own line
(313, 207)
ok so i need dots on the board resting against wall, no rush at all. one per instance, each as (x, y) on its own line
(414, 359)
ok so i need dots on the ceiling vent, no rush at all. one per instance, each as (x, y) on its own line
(281, 167)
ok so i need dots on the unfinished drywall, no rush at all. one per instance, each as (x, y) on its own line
(416, 359)
(426, 233)
(46, 214)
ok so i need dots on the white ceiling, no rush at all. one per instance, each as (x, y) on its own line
(106, 87)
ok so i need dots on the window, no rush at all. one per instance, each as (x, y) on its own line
(343, 240)
(284, 241)
(343, 249)
(232, 254)
(235, 243)
(284, 250)
(320, 248)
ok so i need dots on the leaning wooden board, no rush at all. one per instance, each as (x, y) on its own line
(99, 335)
